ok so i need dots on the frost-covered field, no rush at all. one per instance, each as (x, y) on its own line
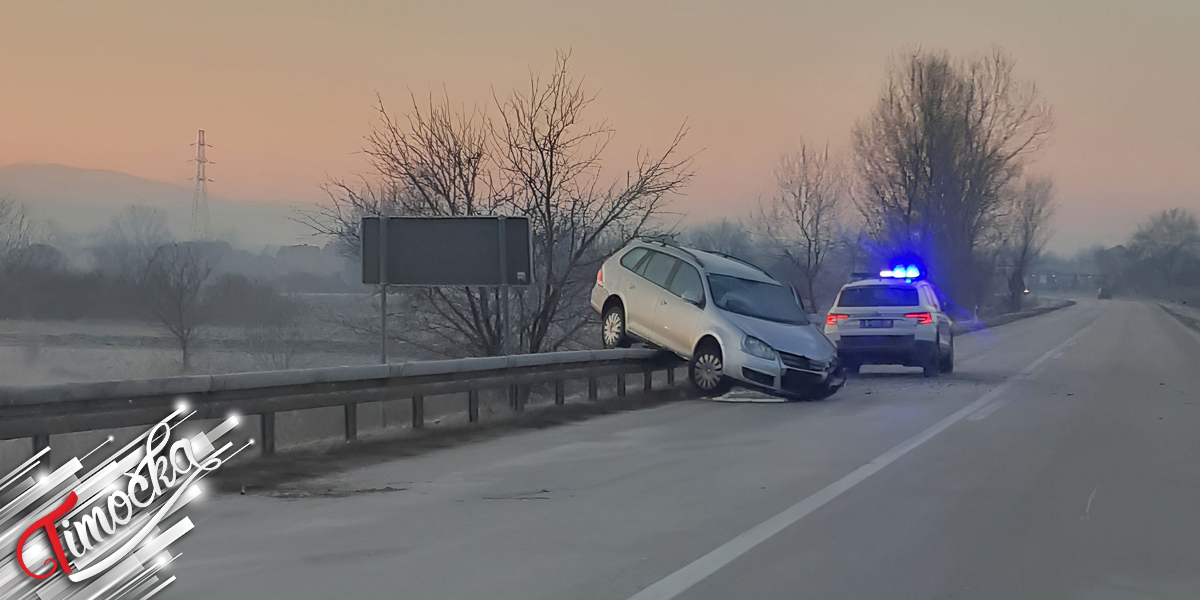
(43, 352)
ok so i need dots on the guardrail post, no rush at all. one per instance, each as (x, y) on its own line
(418, 412)
(40, 441)
(516, 397)
(647, 380)
(670, 375)
(351, 422)
(268, 433)
(620, 385)
(560, 392)
(473, 406)
(593, 395)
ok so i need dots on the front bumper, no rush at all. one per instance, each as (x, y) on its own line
(791, 375)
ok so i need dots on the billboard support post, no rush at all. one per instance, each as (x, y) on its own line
(478, 252)
(383, 289)
(504, 331)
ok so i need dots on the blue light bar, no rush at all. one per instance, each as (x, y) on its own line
(901, 272)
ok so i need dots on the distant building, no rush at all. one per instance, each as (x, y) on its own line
(307, 258)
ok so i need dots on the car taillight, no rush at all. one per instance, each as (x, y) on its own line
(832, 319)
(600, 275)
(922, 318)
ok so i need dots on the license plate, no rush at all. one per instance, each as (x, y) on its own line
(876, 323)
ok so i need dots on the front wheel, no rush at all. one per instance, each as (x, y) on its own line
(613, 332)
(707, 371)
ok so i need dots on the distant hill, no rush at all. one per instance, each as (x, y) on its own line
(79, 201)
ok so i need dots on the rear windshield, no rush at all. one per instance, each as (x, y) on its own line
(879, 295)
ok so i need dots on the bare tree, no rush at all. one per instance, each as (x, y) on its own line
(725, 236)
(539, 158)
(432, 162)
(170, 285)
(1166, 242)
(945, 139)
(1033, 207)
(549, 163)
(802, 220)
(126, 245)
(16, 236)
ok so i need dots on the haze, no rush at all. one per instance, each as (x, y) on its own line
(285, 89)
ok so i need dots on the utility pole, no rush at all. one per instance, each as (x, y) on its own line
(200, 220)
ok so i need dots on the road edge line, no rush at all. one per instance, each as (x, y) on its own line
(700, 569)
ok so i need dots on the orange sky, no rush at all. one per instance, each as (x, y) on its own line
(285, 88)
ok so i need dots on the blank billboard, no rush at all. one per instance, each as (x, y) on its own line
(448, 251)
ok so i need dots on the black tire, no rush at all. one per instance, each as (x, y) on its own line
(612, 328)
(853, 367)
(946, 365)
(706, 371)
(932, 363)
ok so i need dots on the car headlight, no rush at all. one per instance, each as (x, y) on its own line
(756, 347)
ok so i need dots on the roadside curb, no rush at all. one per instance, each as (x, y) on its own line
(1182, 318)
(1007, 318)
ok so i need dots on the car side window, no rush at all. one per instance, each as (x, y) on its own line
(687, 284)
(658, 268)
(632, 258)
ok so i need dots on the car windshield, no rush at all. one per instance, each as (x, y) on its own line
(758, 299)
(879, 295)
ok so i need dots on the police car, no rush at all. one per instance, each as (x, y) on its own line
(893, 319)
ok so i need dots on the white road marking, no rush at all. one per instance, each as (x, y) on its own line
(680, 581)
(1087, 510)
(986, 411)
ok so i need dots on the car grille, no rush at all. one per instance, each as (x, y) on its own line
(793, 360)
(800, 383)
(796, 361)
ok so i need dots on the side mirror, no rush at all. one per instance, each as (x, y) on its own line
(692, 297)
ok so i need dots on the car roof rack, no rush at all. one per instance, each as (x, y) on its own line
(669, 242)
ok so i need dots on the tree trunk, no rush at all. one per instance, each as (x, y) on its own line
(812, 296)
(186, 356)
(1016, 291)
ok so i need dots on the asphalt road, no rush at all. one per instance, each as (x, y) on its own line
(1059, 461)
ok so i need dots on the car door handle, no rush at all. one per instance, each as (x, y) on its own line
(662, 302)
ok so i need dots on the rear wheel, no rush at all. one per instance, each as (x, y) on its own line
(947, 362)
(852, 366)
(707, 370)
(932, 363)
(613, 332)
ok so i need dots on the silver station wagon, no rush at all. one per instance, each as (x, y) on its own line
(729, 319)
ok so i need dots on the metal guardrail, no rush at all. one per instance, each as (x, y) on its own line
(37, 412)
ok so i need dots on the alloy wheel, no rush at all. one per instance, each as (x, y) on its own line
(613, 328)
(708, 371)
